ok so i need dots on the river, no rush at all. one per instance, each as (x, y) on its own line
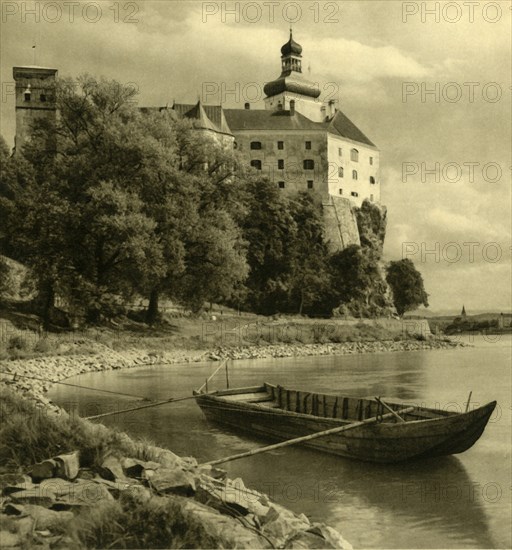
(463, 501)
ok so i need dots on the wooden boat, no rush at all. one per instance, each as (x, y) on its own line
(279, 413)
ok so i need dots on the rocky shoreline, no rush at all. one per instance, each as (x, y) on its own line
(344, 348)
(204, 496)
(32, 378)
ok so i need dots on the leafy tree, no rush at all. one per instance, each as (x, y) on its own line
(406, 285)
(214, 259)
(190, 190)
(270, 230)
(82, 226)
(358, 282)
(139, 199)
(39, 233)
(4, 276)
(371, 224)
(309, 278)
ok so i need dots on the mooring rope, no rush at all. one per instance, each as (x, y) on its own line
(16, 375)
(156, 404)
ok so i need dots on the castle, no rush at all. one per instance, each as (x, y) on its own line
(298, 141)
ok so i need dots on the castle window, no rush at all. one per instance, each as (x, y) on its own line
(42, 98)
(256, 145)
(340, 171)
(340, 151)
(341, 191)
(354, 174)
(310, 184)
(281, 184)
(27, 96)
(354, 194)
(256, 164)
(235, 145)
(372, 179)
(371, 161)
(354, 155)
(309, 164)
(280, 164)
(308, 144)
(280, 144)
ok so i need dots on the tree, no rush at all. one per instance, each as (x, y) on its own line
(269, 229)
(215, 264)
(357, 282)
(81, 225)
(406, 285)
(191, 190)
(309, 278)
(5, 279)
(142, 198)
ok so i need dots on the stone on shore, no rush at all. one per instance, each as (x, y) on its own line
(166, 480)
(44, 470)
(68, 465)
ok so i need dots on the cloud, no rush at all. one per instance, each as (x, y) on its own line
(361, 64)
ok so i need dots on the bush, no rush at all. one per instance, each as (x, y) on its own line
(17, 343)
(136, 521)
(43, 345)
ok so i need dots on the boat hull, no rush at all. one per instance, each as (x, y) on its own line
(385, 442)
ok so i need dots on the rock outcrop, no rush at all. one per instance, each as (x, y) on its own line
(36, 511)
(340, 223)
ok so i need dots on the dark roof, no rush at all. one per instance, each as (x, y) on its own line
(292, 82)
(208, 116)
(343, 126)
(227, 121)
(262, 119)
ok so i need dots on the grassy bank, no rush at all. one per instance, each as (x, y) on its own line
(116, 492)
(29, 436)
(21, 337)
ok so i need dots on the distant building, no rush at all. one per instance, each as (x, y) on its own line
(501, 321)
(463, 312)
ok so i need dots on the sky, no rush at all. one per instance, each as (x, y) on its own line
(428, 82)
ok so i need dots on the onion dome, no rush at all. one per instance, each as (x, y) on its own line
(291, 47)
(292, 84)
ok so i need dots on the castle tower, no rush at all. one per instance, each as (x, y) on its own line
(35, 100)
(293, 86)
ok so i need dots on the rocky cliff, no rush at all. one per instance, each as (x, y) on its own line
(340, 223)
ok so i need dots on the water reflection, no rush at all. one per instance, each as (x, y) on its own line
(436, 497)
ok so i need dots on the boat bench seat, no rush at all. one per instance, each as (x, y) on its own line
(258, 397)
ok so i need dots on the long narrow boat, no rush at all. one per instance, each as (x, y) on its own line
(278, 413)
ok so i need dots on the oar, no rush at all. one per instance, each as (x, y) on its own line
(304, 438)
(385, 405)
(212, 375)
